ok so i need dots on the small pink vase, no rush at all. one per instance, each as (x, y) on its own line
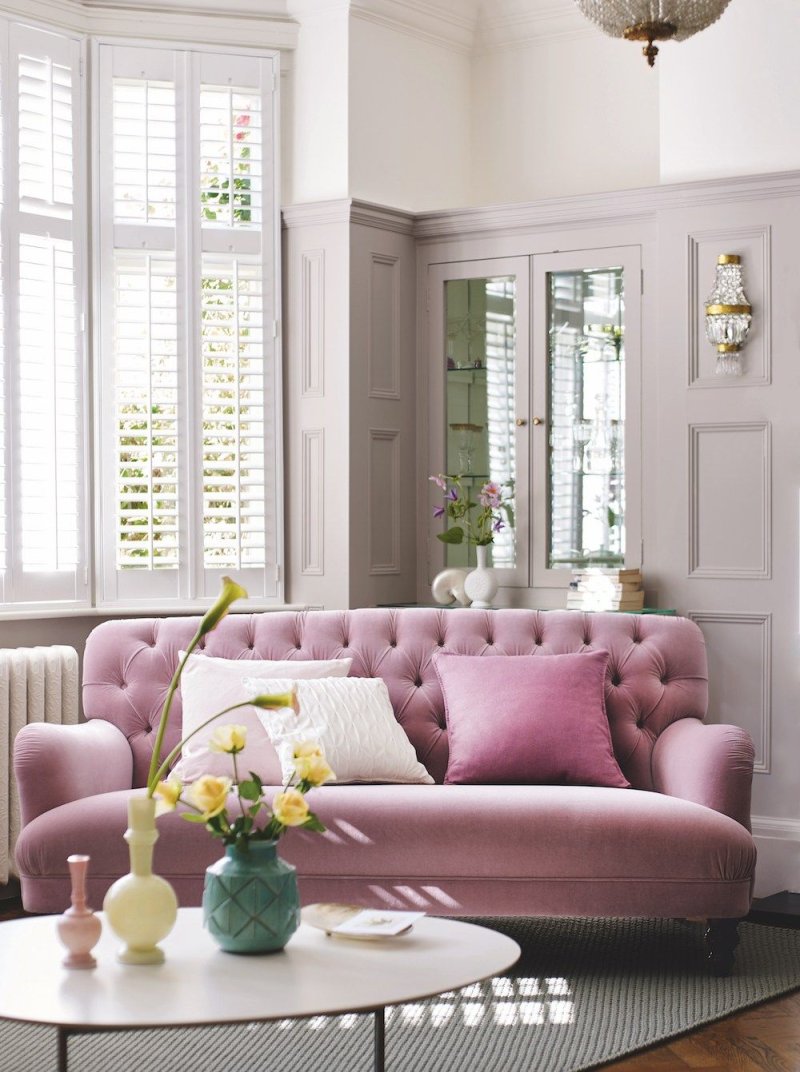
(79, 928)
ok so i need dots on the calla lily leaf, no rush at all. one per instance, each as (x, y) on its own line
(453, 535)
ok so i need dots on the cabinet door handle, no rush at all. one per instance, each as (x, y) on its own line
(521, 422)
(537, 420)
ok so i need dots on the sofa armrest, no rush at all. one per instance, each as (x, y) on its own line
(710, 765)
(56, 764)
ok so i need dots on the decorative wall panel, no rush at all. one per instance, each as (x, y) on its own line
(312, 323)
(753, 244)
(313, 502)
(730, 523)
(384, 334)
(739, 650)
(384, 501)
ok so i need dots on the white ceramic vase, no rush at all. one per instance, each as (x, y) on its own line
(481, 584)
(141, 908)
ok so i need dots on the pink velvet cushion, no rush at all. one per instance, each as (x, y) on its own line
(532, 719)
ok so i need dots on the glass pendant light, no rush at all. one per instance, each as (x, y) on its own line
(652, 20)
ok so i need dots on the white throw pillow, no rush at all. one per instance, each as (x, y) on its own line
(353, 721)
(209, 685)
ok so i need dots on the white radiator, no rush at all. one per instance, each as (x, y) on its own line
(36, 685)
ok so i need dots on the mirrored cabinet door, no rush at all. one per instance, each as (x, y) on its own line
(479, 390)
(586, 398)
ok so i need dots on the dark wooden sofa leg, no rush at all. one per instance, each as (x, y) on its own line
(722, 937)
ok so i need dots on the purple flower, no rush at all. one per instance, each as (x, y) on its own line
(452, 495)
(439, 482)
(498, 525)
(438, 511)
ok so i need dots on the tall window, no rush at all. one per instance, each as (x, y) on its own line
(43, 434)
(182, 430)
(187, 373)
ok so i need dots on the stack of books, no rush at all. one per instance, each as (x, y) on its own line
(594, 588)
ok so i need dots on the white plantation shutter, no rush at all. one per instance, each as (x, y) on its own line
(45, 157)
(233, 414)
(231, 145)
(49, 406)
(189, 382)
(144, 156)
(146, 410)
(44, 447)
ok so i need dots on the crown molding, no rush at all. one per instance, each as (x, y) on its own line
(615, 207)
(515, 24)
(316, 213)
(381, 216)
(349, 211)
(256, 9)
(446, 23)
(239, 23)
(463, 26)
(619, 206)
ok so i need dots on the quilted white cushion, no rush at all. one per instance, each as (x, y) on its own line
(209, 685)
(353, 721)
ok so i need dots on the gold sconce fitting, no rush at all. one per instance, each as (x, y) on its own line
(728, 315)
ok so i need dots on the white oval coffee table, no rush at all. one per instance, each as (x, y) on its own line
(199, 984)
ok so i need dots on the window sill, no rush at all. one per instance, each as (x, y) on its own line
(154, 610)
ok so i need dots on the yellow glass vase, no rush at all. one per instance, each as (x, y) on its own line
(141, 908)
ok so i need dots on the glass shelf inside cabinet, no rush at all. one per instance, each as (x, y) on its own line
(586, 379)
(480, 358)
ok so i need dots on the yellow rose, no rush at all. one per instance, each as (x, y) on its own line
(230, 739)
(209, 794)
(313, 768)
(168, 794)
(306, 748)
(290, 808)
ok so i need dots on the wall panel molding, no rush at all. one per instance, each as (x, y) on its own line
(312, 323)
(312, 496)
(383, 513)
(383, 327)
(709, 507)
(760, 724)
(754, 244)
(644, 203)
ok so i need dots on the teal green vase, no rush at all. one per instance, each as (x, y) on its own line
(250, 899)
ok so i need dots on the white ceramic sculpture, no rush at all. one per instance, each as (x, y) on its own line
(448, 587)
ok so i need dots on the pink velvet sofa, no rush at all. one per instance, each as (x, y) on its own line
(676, 844)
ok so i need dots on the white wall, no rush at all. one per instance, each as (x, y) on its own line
(409, 119)
(314, 124)
(729, 97)
(578, 115)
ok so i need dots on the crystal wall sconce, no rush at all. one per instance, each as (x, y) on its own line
(728, 315)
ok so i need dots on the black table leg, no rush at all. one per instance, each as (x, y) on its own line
(63, 1038)
(380, 1042)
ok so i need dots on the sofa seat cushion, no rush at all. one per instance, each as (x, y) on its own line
(563, 850)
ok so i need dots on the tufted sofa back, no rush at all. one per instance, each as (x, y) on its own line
(656, 674)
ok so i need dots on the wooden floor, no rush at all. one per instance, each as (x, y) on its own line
(763, 1039)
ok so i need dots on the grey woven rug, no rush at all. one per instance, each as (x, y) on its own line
(584, 992)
